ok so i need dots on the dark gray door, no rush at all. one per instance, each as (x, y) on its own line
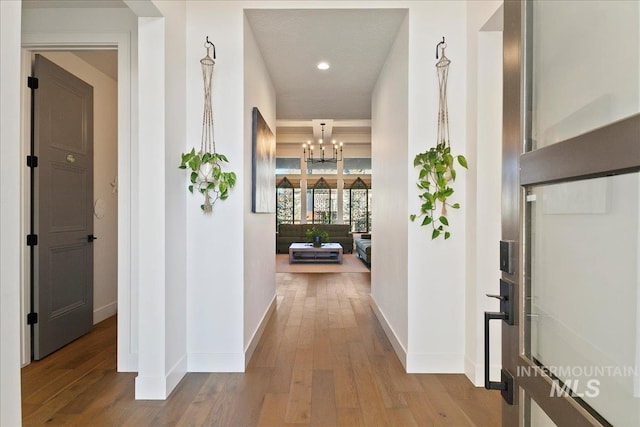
(571, 208)
(63, 285)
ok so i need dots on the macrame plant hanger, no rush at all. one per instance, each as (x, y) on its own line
(442, 66)
(208, 142)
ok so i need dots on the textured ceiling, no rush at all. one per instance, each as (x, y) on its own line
(354, 42)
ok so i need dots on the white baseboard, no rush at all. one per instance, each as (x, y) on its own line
(151, 388)
(475, 372)
(176, 373)
(104, 312)
(253, 343)
(128, 362)
(435, 363)
(391, 335)
(471, 372)
(159, 388)
(215, 362)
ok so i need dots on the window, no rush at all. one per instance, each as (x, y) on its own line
(324, 206)
(287, 203)
(287, 166)
(357, 166)
(357, 206)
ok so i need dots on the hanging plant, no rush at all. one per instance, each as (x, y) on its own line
(436, 165)
(207, 176)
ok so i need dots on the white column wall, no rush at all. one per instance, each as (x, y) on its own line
(151, 382)
(259, 229)
(436, 269)
(483, 202)
(389, 141)
(175, 190)
(215, 242)
(10, 239)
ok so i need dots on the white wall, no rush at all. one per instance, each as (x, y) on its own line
(389, 138)
(10, 239)
(436, 269)
(105, 163)
(483, 202)
(259, 229)
(215, 242)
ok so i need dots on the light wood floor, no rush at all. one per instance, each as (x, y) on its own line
(323, 360)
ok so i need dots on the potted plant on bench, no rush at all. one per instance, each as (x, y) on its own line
(316, 236)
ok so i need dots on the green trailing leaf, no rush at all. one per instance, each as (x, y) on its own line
(446, 235)
(456, 206)
(443, 220)
(435, 234)
(463, 161)
(427, 220)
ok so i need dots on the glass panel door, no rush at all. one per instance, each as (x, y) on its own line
(571, 207)
(585, 67)
(581, 307)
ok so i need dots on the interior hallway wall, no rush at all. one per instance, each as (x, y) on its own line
(436, 268)
(259, 229)
(215, 242)
(389, 140)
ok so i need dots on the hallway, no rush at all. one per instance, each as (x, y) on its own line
(323, 360)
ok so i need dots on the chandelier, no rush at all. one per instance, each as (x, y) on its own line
(335, 148)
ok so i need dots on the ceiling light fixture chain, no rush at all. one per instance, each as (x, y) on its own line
(336, 150)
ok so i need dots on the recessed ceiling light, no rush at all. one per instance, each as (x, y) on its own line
(323, 66)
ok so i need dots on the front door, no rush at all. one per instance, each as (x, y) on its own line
(571, 209)
(63, 282)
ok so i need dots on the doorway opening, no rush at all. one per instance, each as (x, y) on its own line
(99, 69)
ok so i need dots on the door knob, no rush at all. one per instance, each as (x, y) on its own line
(91, 238)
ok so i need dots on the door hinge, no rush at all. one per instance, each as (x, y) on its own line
(32, 318)
(32, 240)
(32, 161)
(32, 82)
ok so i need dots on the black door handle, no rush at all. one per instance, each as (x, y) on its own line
(488, 384)
(91, 238)
(506, 313)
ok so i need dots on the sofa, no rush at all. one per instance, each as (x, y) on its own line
(363, 246)
(291, 233)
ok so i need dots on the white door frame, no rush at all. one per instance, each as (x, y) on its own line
(127, 354)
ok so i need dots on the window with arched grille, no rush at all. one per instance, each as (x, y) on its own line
(287, 203)
(323, 203)
(357, 202)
